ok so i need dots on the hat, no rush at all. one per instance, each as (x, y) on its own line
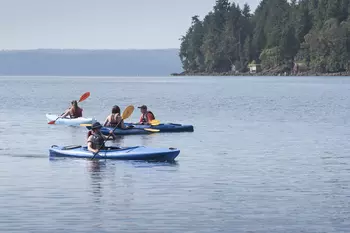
(143, 107)
(96, 125)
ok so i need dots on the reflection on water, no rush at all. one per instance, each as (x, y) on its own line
(143, 139)
(121, 181)
(155, 164)
(148, 139)
(127, 189)
(96, 174)
(117, 141)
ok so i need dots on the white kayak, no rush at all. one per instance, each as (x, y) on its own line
(69, 121)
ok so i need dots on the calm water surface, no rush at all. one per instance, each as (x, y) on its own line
(267, 155)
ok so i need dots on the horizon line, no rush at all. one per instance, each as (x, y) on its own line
(4, 50)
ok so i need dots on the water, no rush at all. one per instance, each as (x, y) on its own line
(268, 154)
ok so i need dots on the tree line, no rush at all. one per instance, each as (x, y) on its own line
(279, 35)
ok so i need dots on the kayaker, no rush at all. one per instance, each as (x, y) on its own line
(146, 116)
(96, 139)
(74, 111)
(113, 119)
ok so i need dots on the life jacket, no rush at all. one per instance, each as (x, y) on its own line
(77, 113)
(97, 141)
(143, 118)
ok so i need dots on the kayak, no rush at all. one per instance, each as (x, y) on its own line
(165, 127)
(117, 131)
(142, 129)
(69, 121)
(116, 153)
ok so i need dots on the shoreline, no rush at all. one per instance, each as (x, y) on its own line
(260, 74)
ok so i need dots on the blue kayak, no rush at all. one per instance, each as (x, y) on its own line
(117, 153)
(117, 131)
(142, 129)
(165, 127)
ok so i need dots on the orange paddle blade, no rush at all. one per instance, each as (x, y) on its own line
(84, 96)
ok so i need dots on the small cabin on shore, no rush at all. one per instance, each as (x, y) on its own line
(299, 67)
(254, 68)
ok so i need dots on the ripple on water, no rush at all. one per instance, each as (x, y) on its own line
(267, 155)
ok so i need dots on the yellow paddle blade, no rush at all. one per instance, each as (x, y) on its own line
(127, 112)
(152, 130)
(85, 124)
(155, 122)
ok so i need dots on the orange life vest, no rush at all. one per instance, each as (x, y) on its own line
(147, 116)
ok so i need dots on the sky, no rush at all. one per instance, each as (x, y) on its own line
(99, 24)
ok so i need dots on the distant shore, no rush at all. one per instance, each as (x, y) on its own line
(309, 73)
(88, 62)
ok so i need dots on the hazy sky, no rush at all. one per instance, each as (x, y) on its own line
(99, 24)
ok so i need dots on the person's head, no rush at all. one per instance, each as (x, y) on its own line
(116, 109)
(143, 109)
(74, 104)
(96, 126)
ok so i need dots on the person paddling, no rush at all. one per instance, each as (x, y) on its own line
(146, 116)
(113, 119)
(74, 111)
(96, 139)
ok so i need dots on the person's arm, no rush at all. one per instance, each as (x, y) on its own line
(112, 134)
(107, 120)
(121, 122)
(66, 113)
(149, 118)
(140, 120)
(90, 145)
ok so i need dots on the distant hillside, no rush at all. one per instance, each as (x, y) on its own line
(90, 62)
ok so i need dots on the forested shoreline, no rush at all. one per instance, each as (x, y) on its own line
(280, 37)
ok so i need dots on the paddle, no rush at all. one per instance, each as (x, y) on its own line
(155, 122)
(151, 130)
(85, 124)
(126, 114)
(82, 98)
